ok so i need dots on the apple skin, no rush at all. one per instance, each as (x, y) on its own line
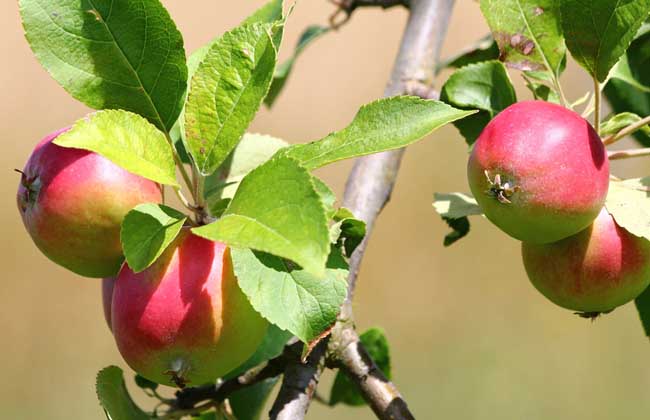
(184, 320)
(72, 202)
(108, 285)
(555, 164)
(594, 271)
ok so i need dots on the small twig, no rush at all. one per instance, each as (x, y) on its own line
(630, 153)
(347, 7)
(627, 131)
(596, 105)
(188, 398)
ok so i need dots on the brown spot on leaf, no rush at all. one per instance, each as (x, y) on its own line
(512, 46)
(528, 48)
(538, 11)
(202, 150)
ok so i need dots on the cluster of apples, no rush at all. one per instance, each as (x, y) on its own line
(182, 320)
(540, 173)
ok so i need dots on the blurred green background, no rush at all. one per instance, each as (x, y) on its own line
(471, 338)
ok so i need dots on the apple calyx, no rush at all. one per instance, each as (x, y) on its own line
(501, 192)
(32, 186)
(592, 315)
(178, 373)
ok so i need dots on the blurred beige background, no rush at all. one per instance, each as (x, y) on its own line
(471, 338)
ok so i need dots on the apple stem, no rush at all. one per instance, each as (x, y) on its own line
(626, 131)
(630, 153)
(201, 211)
(182, 199)
(596, 105)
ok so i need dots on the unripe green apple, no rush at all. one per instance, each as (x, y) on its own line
(539, 172)
(72, 203)
(184, 320)
(594, 271)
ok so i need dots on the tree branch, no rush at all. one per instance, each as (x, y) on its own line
(372, 179)
(299, 385)
(188, 398)
(381, 394)
(367, 191)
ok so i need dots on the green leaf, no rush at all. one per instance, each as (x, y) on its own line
(528, 33)
(218, 206)
(485, 49)
(252, 151)
(626, 90)
(114, 398)
(642, 303)
(147, 231)
(617, 122)
(277, 210)
(269, 13)
(343, 390)
(124, 54)
(291, 298)
(382, 125)
(283, 71)
(459, 229)
(541, 91)
(249, 403)
(454, 209)
(127, 140)
(484, 86)
(348, 231)
(226, 92)
(455, 205)
(629, 203)
(327, 196)
(598, 32)
(145, 383)
(624, 97)
(623, 71)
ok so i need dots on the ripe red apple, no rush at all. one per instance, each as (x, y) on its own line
(594, 271)
(108, 284)
(72, 203)
(539, 172)
(184, 320)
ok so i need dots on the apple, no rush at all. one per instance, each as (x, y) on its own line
(539, 172)
(594, 271)
(72, 203)
(184, 320)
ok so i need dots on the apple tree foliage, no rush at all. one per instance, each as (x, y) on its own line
(533, 39)
(159, 113)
